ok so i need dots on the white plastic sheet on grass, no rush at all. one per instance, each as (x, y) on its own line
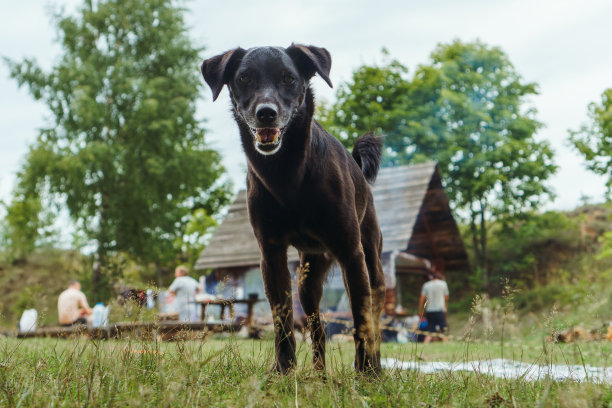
(510, 369)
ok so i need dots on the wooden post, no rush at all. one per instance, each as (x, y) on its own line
(203, 317)
(250, 306)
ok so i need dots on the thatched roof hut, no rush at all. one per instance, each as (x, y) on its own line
(414, 216)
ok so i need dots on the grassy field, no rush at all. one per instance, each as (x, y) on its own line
(234, 372)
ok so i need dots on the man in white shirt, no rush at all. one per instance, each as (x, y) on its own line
(184, 289)
(72, 306)
(433, 303)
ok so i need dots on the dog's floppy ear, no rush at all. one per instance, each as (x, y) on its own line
(311, 60)
(218, 70)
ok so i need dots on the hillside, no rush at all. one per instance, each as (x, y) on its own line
(37, 282)
(549, 272)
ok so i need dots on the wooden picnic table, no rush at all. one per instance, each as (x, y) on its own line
(229, 303)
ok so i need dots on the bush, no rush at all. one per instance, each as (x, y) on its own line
(529, 251)
(542, 297)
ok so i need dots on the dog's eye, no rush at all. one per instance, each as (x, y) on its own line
(244, 78)
(288, 79)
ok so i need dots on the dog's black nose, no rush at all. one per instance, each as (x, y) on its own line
(266, 113)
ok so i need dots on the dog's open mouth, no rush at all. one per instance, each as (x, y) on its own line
(267, 140)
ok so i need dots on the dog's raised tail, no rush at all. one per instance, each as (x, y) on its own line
(367, 153)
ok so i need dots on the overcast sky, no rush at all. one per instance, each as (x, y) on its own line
(564, 46)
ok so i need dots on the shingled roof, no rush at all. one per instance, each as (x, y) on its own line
(412, 209)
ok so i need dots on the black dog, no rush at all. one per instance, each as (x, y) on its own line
(305, 190)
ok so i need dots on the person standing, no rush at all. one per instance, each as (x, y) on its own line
(72, 306)
(184, 289)
(433, 303)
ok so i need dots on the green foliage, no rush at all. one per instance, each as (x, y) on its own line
(123, 151)
(196, 234)
(465, 110)
(489, 143)
(606, 245)
(28, 298)
(26, 225)
(594, 139)
(121, 271)
(372, 101)
(542, 297)
(20, 227)
(529, 249)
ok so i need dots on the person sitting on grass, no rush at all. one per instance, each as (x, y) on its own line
(72, 306)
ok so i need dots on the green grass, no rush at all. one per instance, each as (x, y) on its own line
(234, 372)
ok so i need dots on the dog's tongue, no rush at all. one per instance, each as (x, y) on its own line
(267, 135)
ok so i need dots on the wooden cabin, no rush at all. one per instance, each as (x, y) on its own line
(418, 231)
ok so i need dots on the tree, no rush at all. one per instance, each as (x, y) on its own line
(26, 224)
(124, 150)
(464, 110)
(373, 101)
(381, 99)
(594, 139)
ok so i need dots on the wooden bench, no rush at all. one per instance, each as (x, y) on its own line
(118, 330)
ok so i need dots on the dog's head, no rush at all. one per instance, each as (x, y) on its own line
(267, 86)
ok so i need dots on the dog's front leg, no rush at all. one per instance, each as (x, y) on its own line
(277, 283)
(310, 288)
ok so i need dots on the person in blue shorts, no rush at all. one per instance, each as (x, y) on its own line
(433, 303)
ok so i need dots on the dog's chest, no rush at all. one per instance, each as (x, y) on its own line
(304, 232)
(306, 242)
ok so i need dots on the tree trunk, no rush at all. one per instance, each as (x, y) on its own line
(474, 233)
(483, 244)
(96, 279)
(475, 244)
(478, 231)
(160, 275)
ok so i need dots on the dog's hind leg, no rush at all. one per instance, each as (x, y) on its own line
(342, 236)
(313, 268)
(358, 287)
(371, 240)
(277, 284)
(350, 255)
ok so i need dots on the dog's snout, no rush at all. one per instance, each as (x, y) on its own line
(266, 112)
